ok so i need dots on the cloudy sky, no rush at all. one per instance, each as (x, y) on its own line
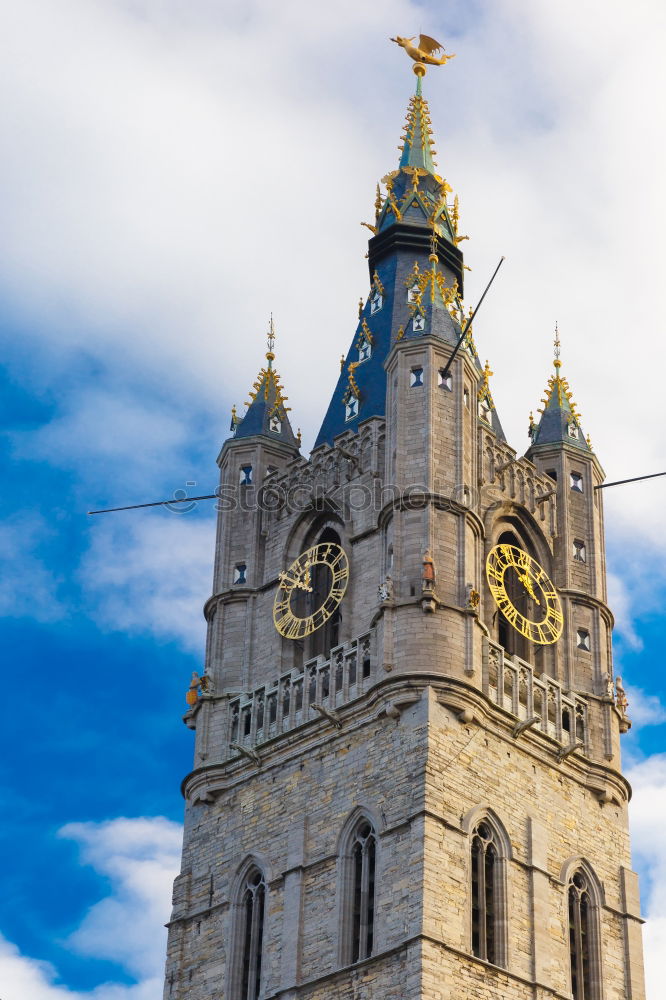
(172, 172)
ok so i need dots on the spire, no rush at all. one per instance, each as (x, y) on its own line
(266, 413)
(560, 420)
(416, 197)
(417, 147)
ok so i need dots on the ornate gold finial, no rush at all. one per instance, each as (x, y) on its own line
(455, 215)
(484, 388)
(270, 341)
(556, 342)
(378, 204)
(342, 361)
(298, 438)
(433, 258)
(360, 307)
(424, 52)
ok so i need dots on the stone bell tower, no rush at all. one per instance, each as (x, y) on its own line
(407, 776)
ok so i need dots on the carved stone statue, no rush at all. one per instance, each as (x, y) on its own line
(621, 696)
(473, 598)
(428, 576)
(192, 695)
(385, 590)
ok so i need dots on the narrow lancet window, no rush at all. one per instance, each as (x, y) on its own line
(580, 935)
(361, 888)
(252, 933)
(484, 893)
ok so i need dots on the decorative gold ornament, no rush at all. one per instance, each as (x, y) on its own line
(546, 627)
(424, 52)
(298, 579)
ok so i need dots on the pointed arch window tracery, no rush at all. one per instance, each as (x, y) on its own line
(249, 935)
(584, 936)
(484, 877)
(490, 852)
(359, 887)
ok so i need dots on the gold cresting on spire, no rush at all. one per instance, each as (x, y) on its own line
(484, 389)
(378, 204)
(268, 377)
(418, 117)
(431, 282)
(558, 384)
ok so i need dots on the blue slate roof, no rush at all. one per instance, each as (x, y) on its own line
(415, 243)
(266, 414)
(560, 422)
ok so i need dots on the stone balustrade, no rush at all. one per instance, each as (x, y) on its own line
(512, 684)
(286, 703)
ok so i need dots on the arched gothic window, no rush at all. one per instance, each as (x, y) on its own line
(250, 934)
(490, 851)
(583, 938)
(484, 878)
(359, 889)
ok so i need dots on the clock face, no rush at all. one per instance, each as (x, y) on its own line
(318, 577)
(509, 569)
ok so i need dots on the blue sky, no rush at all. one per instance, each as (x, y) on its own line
(172, 174)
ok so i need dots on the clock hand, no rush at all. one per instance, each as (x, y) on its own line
(527, 584)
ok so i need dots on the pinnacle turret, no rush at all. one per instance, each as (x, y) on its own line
(266, 412)
(559, 420)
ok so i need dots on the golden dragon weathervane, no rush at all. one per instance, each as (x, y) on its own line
(424, 52)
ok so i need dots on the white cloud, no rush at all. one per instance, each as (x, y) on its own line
(644, 709)
(150, 574)
(648, 821)
(140, 857)
(620, 600)
(27, 586)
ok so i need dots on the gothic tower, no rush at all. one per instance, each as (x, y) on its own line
(407, 773)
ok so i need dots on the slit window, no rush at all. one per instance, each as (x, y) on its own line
(579, 552)
(416, 377)
(576, 481)
(245, 475)
(240, 571)
(484, 410)
(583, 639)
(351, 408)
(445, 381)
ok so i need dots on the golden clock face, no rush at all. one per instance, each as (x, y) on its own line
(511, 571)
(310, 590)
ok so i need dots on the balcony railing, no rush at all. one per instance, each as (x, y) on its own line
(511, 683)
(286, 703)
